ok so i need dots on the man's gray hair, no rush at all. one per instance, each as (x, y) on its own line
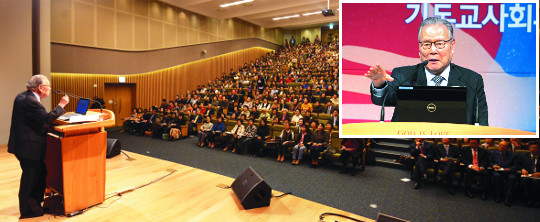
(436, 21)
(36, 81)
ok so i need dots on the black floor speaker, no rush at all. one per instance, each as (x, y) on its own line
(251, 190)
(113, 148)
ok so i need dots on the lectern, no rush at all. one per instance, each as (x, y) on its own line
(75, 161)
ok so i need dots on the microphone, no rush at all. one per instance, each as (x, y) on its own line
(79, 97)
(476, 123)
(420, 65)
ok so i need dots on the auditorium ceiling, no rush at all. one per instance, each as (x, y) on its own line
(263, 12)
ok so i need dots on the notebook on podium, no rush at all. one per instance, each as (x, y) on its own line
(438, 104)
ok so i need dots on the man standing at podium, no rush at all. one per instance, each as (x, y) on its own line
(28, 141)
(436, 48)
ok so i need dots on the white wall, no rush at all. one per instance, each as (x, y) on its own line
(15, 56)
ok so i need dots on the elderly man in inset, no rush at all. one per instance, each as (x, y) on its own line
(436, 48)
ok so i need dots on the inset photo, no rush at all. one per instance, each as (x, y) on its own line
(435, 70)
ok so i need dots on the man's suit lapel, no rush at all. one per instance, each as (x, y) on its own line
(420, 79)
(454, 78)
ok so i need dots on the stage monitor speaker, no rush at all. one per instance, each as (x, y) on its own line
(251, 190)
(113, 148)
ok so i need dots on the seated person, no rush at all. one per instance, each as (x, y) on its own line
(216, 130)
(442, 153)
(351, 148)
(329, 108)
(490, 142)
(301, 145)
(504, 165)
(297, 116)
(193, 121)
(273, 114)
(530, 168)
(233, 110)
(422, 151)
(284, 116)
(174, 128)
(206, 128)
(245, 111)
(249, 135)
(317, 108)
(253, 114)
(209, 111)
(248, 103)
(163, 126)
(307, 117)
(476, 161)
(335, 100)
(264, 114)
(234, 136)
(146, 121)
(286, 141)
(515, 144)
(129, 120)
(306, 106)
(334, 119)
(264, 105)
(263, 132)
(319, 141)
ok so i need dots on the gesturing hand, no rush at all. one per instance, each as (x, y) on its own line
(63, 101)
(378, 75)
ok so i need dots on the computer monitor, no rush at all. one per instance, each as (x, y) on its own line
(438, 104)
(82, 107)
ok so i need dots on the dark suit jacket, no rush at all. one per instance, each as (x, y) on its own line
(525, 162)
(199, 119)
(453, 151)
(459, 76)
(509, 161)
(209, 112)
(307, 138)
(331, 120)
(428, 150)
(325, 109)
(27, 137)
(466, 157)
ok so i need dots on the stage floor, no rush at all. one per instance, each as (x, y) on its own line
(189, 194)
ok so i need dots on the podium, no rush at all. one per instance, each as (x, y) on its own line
(75, 161)
(425, 129)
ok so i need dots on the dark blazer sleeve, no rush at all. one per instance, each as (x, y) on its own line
(476, 95)
(414, 152)
(402, 76)
(27, 137)
(453, 151)
(429, 148)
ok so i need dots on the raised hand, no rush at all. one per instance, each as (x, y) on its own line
(378, 75)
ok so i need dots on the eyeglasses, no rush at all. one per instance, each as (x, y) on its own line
(46, 85)
(438, 44)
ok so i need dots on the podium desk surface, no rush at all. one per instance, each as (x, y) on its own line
(425, 129)
(107, 119)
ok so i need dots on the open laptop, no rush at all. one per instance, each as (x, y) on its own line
(82, 108)
(438, 104)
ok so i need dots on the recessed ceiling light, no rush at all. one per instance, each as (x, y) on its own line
(235, 3)
(286, 17)
(312, 13)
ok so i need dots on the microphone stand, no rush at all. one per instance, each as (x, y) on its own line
(79, 97)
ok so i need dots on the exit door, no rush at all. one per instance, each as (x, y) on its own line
(120, 98)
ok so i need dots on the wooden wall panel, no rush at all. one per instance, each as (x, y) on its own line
(153, 86)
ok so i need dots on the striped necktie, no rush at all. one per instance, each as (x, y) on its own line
(438, 80)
